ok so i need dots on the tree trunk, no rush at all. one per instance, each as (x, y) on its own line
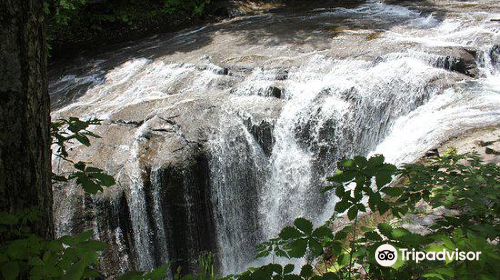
(24, 112)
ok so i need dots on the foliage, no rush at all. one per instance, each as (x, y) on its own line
(460, 182)
(76, 18)
(23, 255)
(194, 6)
(62, 11)
(205, 271)
(156, 274)
(63, 132)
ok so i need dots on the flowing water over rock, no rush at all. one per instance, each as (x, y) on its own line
(221, 135)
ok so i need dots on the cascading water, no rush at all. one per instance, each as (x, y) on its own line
(471, 105)
(237, 171)
(218, 140)
(335, 109)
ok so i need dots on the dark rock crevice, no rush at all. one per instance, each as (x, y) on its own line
(114, 228)
(131, 123)
(187, 212)
(154, 209)
(263, 133)
(460, 60)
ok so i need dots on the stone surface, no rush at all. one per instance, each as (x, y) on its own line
(175, 102)
(457, 59)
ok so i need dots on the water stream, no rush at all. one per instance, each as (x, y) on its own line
(267, 104)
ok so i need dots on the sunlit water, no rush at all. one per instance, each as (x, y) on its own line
(353, 80)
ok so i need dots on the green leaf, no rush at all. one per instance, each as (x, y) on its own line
(399, 232)
(392, 191)
(92, 169)
(288, 268)
(399, 262)
(68, 240)
(8, 219)
(361, 207)
(373, 236)
(10, 270)
(298, 248)
(306, 271)
(385, 229)
(382, 179)
(322, 232)
(105, 179)
(326, 188)
(77, 125)
(341, 235)
(84, 236)
(352, 213)
(447, 271)
(82, 139)
(330, 276)
(80, 165)
(88, 185)
(94, 245)
(339, 191)
(274, 267)
(90, 274)
(342, 205)
(18, 249)
(289, 277)
(131, 275)
(290, 233)
(360, 161)
(262, 254)
(304, 225)
(433, 275)
(336, 247)
(375, 161)
(347, 163)
(374, 200)
(158, 273)
(316, 247)
(75, 272)
(434, 248)
(343, 176)
(382, 207)
(448, 243)
(35, 261)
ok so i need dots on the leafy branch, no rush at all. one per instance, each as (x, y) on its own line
(66, 131)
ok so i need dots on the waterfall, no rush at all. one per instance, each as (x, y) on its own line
(220, 136)
(457, 110)
(335, 109)
(237, 170)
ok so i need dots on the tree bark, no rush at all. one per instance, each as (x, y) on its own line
(25, 155)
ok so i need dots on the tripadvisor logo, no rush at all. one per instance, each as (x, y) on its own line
(387, 255)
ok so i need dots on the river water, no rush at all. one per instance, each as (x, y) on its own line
(271, 101)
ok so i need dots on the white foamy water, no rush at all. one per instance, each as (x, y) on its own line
(275, 102)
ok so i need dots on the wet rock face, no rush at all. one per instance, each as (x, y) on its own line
(179, 220)
(460, 60)
(114, 227)
(263, 133)
(109, 219)
(274, 91)
(188, 217)
(495, 55)
(161, 210)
